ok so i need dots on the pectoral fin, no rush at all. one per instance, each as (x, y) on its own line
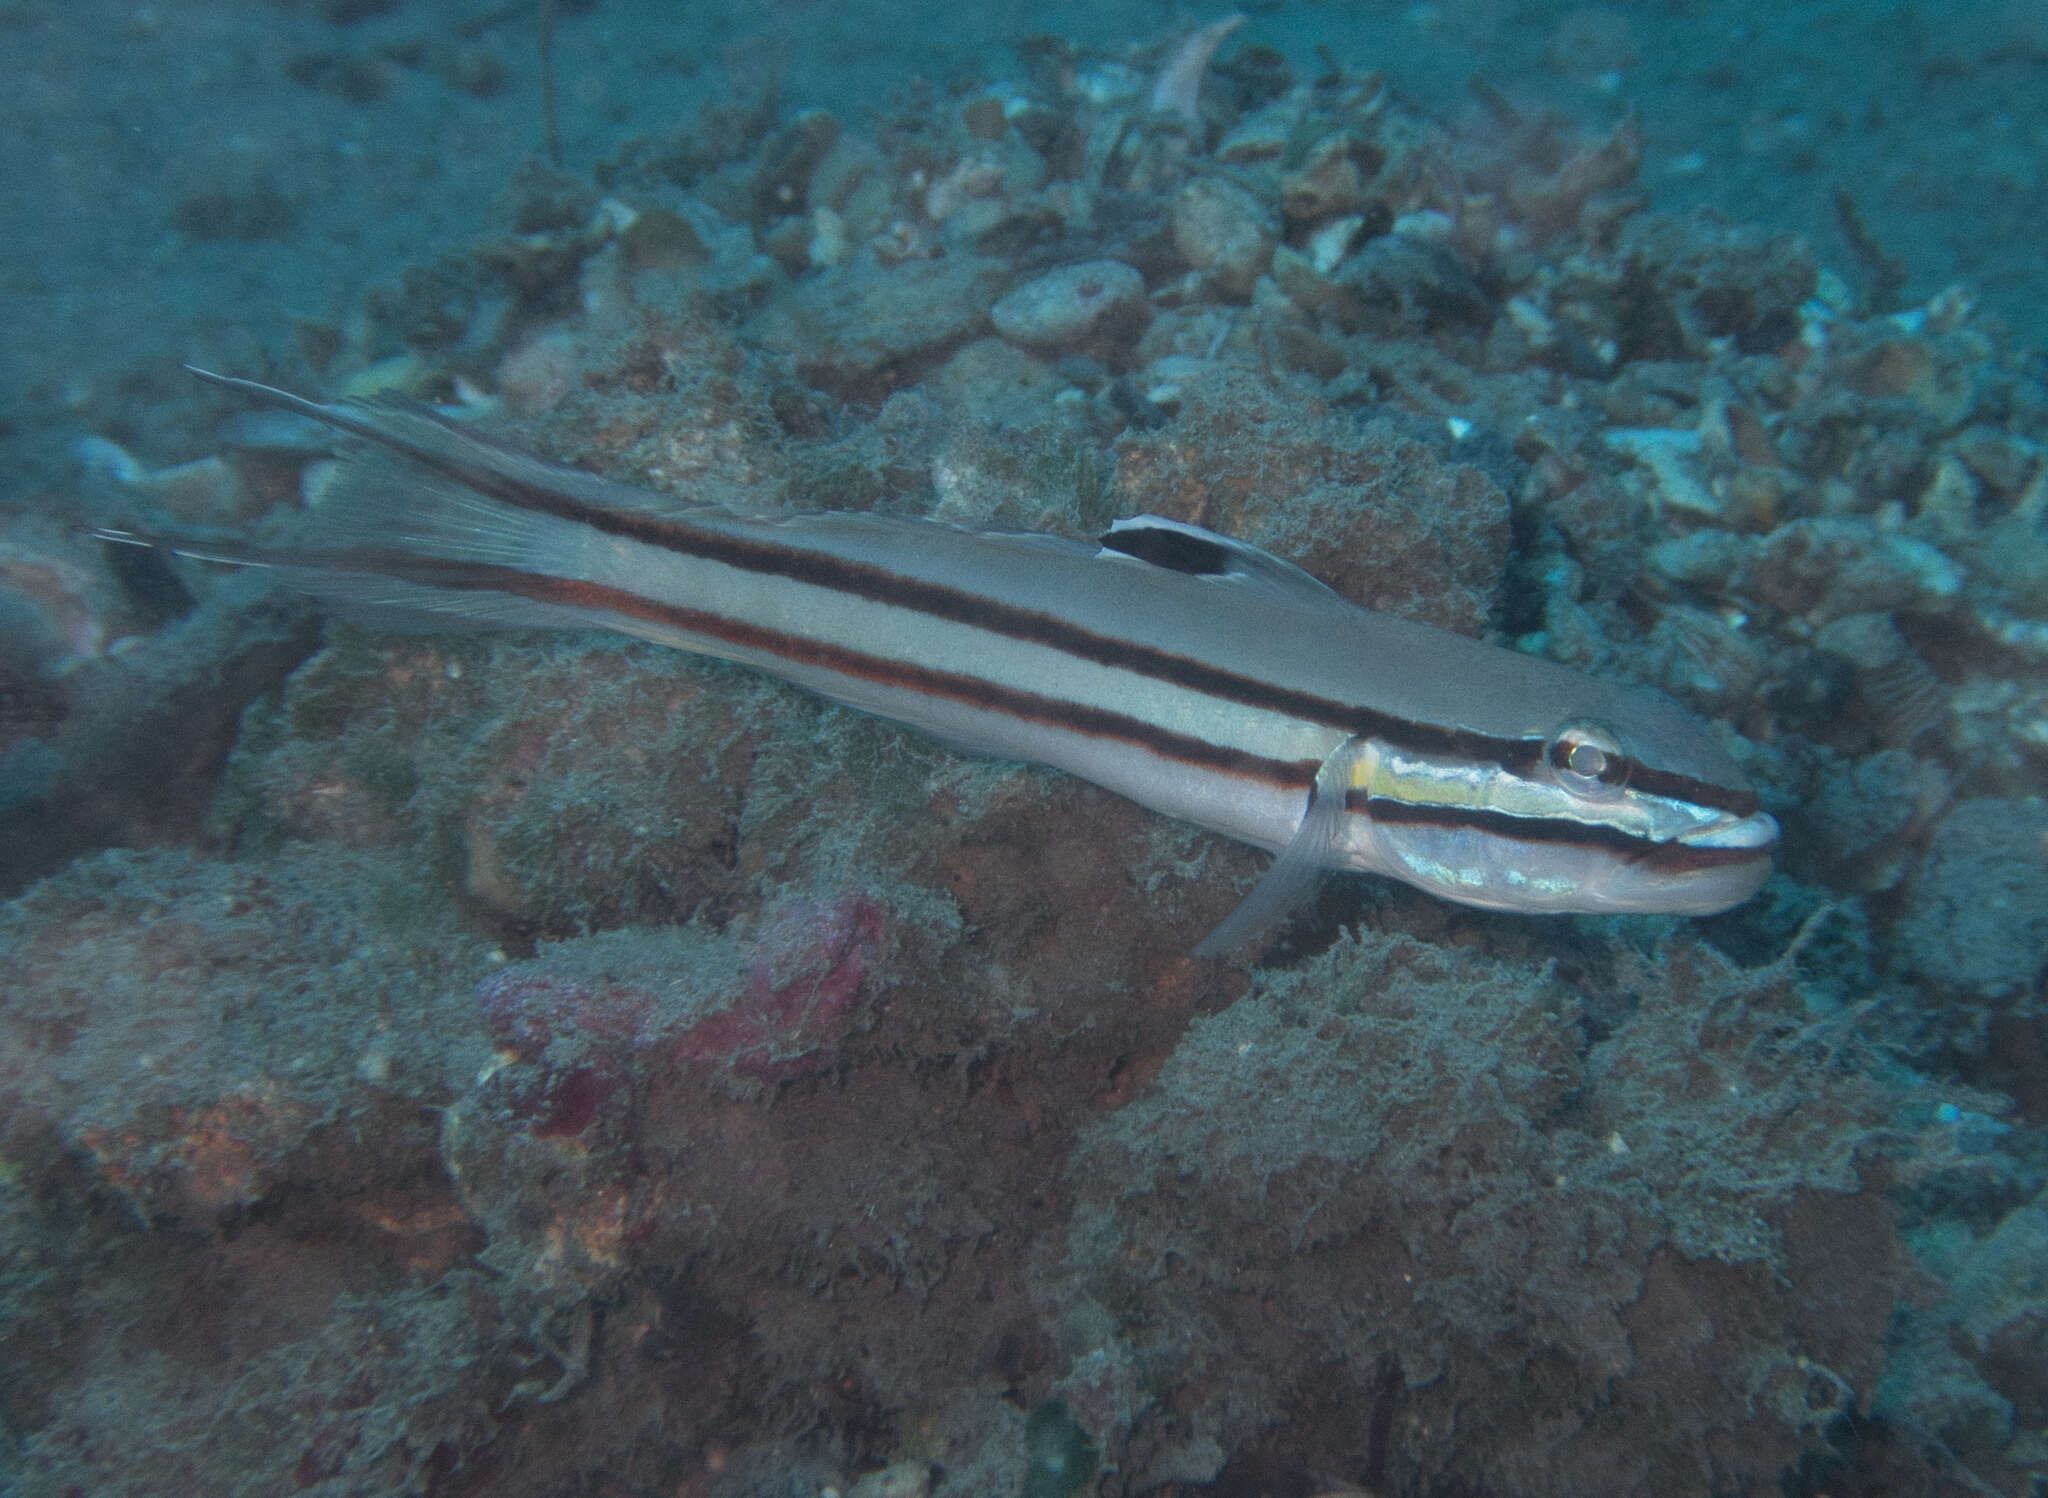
(1300, 864)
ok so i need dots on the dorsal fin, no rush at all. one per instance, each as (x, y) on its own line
(1179, 547)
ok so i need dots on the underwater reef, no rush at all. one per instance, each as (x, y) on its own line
(478, 1063)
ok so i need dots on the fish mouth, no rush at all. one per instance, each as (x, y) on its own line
(1729, 860)
(1756, 833)
(1709, 869)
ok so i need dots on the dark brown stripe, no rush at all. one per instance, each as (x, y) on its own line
(1090, 722)
(878, 585)
(1556, 831)
(1675, 787)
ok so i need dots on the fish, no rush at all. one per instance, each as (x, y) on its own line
(1195, 674)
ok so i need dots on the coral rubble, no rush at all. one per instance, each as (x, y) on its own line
(509, 1064)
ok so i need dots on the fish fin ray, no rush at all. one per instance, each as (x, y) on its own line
(1299, 866)
(412, 432)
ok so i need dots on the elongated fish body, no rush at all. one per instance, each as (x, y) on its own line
(1197, 676)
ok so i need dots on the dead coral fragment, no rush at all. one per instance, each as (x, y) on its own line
(1334, 178)
(1075, 305)
(1178, 88)
(1225, 231)
(1903, 694)
(54, 608)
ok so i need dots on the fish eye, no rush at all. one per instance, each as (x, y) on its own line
(1587, 757)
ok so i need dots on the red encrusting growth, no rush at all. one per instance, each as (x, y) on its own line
(582, 1049)
(803, 977)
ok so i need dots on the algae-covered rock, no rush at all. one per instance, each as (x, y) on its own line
(864, 328)
(1422, 1170)
(1977, 918)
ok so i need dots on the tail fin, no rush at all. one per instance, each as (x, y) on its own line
(427, 519)
(418, 433)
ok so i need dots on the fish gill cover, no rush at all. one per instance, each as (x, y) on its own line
(499, 1064)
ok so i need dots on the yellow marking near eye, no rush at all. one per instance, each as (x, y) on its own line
(1418, 782)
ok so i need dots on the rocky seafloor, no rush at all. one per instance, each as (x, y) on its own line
(507, 1064)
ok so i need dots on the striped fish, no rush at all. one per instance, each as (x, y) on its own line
(1196, 675)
